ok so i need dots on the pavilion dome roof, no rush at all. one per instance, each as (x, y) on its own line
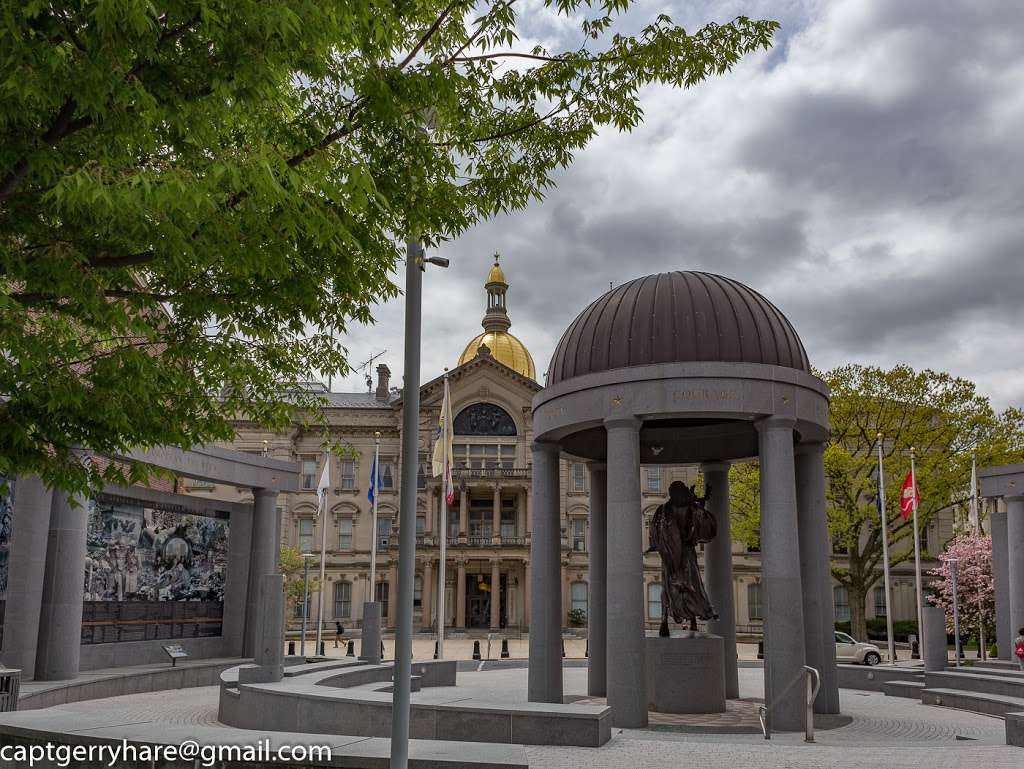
(673, 317)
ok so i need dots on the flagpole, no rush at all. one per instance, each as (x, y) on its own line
(975, 515)
(441, 576)
(919, 592)
(323, 557)
(374, 476)
(885, 554)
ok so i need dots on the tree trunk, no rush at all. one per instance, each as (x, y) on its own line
(858, 618)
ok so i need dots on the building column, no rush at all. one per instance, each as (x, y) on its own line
(392, 592)
(431, 514)
(460, 596)
(626, 677)
(1001, 581)
(816, 573)
(1015, 560)
(463, 513)
(529, 511)
(496, 594)
(264, 554)
(597, 582)
(496, 516)
(60, 617)
(784, 655)
(718, 572)
(428, 592)
(545, 671)
(26, 572)
(526, 594)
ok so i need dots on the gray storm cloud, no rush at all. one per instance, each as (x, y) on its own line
(865, 175)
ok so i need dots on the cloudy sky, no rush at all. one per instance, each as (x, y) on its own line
(867, 175)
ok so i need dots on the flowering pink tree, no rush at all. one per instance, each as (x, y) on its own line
(975, 591)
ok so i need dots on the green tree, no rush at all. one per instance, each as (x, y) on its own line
(942, 417)
(193, 191)
(291, 564)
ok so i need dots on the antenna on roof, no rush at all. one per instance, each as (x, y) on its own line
(365, 367)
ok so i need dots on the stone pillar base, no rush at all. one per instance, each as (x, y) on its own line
(370, 648)
(934, 637)
(684, 674)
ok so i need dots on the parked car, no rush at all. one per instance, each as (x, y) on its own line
(849, 650)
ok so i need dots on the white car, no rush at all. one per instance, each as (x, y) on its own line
(849, 650)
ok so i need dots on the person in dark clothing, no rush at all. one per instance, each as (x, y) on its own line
(339, 631)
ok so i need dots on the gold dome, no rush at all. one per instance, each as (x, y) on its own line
(496, 275)
(505, 348)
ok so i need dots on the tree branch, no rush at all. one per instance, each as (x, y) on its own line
(429, 34)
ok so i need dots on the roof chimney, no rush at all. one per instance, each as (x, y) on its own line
(383, 383)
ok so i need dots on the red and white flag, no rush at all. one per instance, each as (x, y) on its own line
(910, 497)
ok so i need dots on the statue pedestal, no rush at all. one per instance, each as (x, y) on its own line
(685, 673)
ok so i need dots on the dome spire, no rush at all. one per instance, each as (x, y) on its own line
(496, 342)
(496, 317)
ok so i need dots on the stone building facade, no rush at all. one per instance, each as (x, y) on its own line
(489, 524)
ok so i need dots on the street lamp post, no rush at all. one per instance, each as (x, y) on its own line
(414, 266)
(956, 611)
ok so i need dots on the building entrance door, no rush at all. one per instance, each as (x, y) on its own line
(478, 600)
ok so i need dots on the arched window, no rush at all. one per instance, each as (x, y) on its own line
(654, 601)
(484, 419)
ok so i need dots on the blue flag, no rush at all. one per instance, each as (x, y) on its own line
(374, 481)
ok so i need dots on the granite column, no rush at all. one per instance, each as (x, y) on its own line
(26, 569)
(784, 654)
(718, 572)
(816, 573)
(545, 672)
(627, 677)
(597, 599)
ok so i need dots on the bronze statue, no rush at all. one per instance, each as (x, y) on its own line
(677, 528)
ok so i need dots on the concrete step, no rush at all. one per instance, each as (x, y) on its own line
(998, 705)
(997, 665)
(1015, 729)
(909, 689)
(1007, 684)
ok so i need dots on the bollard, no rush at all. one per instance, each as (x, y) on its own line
(322, 652)
(586, 649)
(435, 650)
(760, 652)
(351, 649)
(291, 648)
(476, 650)
(563, 647)
(504, 649)
(382, 650)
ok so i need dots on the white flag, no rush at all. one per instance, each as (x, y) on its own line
(441, 462)
(972, 515)
(325, 483)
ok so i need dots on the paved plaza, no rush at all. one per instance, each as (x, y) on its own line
(882, 732)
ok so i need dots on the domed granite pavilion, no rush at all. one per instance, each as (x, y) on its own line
(680, 368)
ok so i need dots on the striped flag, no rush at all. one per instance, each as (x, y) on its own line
(441, 463)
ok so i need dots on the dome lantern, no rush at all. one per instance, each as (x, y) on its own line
(503, 346)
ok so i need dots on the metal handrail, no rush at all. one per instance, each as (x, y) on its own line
(812, 695)
(762, 716)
